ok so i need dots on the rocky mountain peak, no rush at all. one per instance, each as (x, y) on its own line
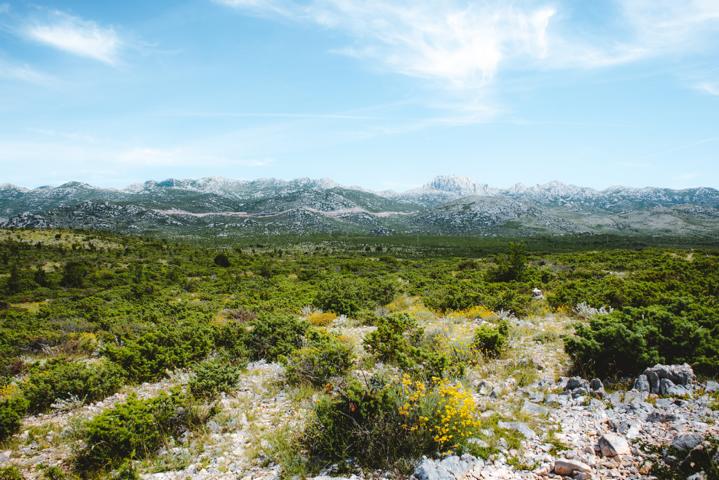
(453, 184)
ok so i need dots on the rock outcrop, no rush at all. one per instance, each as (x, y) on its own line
(666, 380)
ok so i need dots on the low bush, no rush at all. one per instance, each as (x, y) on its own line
(62, 379)
(347, 296)
(322, 357)
(214, 376)
(231, 338)
(275, 335)
(168, 346)
(625, 342)
(321, 319)
(135, 429)
(391, 425)
(12, 409)
(363, 422)
(339, 295)
(510, 265)
(398, 340)
(491, 340)
(10, 473)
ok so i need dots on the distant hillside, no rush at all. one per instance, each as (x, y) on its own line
(446, 205)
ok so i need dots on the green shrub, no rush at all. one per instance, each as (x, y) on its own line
(363, 422)
(398, 340)
(168, 346)
(61, 379)
(511, 265)
(625, 342)
(490, 339)
(392, 424)
(276, 335)
(324, 356)
(126, 472)
(347, 296)
(339, 295)
(73, 275)
(212, 377)
(12, 411)
(56, 473)
(10, 473)
(222, 260)
(232, 337)
(134, 429)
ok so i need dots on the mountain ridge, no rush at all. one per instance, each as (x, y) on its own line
(445, 205)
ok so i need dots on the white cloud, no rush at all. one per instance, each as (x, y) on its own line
(465, 43)
(24, 73)
(458, 44)
(77, 36)
(181, 156)
(709, 88)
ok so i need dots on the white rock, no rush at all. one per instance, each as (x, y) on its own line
(612, 444)
(570, 467)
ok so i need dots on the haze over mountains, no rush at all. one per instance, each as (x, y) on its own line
(446, 205)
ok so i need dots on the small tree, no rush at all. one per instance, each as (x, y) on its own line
(13, 283)
(511, 265)
(40, 277)
(221, 260)
(73, 275)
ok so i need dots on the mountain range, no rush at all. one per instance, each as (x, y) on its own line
(447, 205)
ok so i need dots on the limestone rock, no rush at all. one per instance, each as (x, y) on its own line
(642, 384)
(596, 385)
(449, 468)
(613, 444)
(686, 442)
(570, 467)
(663, 377)
(520, 427)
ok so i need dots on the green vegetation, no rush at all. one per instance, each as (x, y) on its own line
(322, 357)
(84, 314)
(398, 340)
(12, 410)
(61, 380)
(10, 473)
(136, 429)
(167, 346)
(212, 377)
(491, 340)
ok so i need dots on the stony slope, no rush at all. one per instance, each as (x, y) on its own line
(446, 205)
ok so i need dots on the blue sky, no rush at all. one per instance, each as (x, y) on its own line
(384, 94)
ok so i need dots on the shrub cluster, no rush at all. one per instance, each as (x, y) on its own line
(398, 339)
(167, 346)
(348, 296)
(491, 340)
(322, 357)
(135, 429)
(213, 376)
(626, 342)
(13, 408)
(62, 379)
(392, 424)
(275, 335)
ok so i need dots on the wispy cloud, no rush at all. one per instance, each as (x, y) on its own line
(460, 45)
(76, 36)
(464, 44)
(181, 156)
(24, 73)
(708, 87)
(288, 115)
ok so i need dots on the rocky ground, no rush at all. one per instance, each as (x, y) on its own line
(569, 427)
